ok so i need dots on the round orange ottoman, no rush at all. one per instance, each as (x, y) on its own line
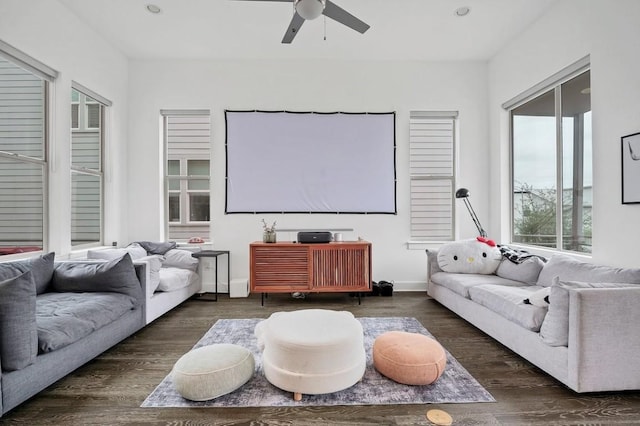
(409, 358)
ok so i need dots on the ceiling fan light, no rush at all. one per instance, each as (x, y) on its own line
(310, 9)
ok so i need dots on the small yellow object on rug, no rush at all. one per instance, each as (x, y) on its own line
(439, 417)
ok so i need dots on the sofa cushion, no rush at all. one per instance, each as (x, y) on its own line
(41, 268)
(64, 318)
(172, 279)
(18, 334)
(526, 271)
(506, 301)
(461, 283)
(555, 327)
(569, 269)
(118, 275)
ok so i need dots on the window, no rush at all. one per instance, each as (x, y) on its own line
(552, 178)
(87, 142)
(187, 173)
(86, 112)
(24, 84)
(75, 109)
(431, 168)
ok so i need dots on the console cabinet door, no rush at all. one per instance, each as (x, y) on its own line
(279, 268)
(340, 268)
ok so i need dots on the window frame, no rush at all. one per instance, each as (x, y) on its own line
(183, 178)
(102, 130)
(183, 193)
(48, 76)
(432, 118)
(552, 84)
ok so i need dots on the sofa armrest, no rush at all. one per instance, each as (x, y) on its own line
(604, 342)
(142, 271)
(432, 261)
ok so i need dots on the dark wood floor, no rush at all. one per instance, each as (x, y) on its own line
(110, 389)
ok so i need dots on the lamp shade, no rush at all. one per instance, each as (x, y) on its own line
(462, 193)
(310, 9)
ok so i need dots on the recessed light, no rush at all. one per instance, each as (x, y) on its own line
(462, 11)
(153, 8)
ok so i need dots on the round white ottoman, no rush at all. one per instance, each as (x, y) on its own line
(212, 371)
(312, 351)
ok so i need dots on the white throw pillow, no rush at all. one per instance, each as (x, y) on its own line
(178, 258)
(106, 254)
(135, 251)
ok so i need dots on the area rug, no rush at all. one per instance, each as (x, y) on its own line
(455, 385)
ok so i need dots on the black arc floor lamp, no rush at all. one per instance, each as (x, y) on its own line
(464, 194)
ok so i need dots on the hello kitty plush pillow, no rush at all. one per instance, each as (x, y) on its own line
(474, 256)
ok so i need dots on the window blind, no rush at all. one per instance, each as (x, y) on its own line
(188, 136)
(432, 174)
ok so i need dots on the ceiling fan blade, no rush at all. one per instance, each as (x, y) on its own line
(331, 10)
(294, 27)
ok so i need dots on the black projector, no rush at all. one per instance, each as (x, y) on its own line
(314, 237)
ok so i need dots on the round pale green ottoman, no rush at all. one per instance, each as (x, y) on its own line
(212, 371)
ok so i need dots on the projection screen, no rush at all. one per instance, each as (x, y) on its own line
(310, 162)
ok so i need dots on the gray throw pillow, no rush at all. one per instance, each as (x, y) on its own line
(526, 271)
(18, 329)
(41, 268)
(157, 248)
(555, 326)
(118, 275)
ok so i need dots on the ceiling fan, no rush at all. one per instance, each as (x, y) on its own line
(311, 9)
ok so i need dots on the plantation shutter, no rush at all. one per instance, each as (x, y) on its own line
(431, 168)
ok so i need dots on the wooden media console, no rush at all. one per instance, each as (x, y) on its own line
(287, 267)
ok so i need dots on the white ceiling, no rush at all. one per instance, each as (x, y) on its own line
(228, 29)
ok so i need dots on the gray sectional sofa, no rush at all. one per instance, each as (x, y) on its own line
(55, 317)
(587, 337)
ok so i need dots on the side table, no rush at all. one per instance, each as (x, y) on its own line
(215, 254)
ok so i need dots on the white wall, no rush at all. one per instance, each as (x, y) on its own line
(48, 32)
(568, 32)
(305, 86)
